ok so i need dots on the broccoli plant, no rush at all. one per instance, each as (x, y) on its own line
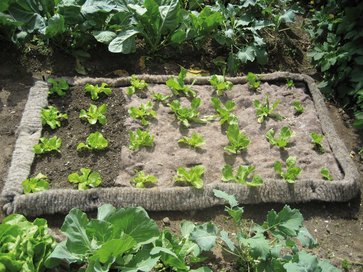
(290, 83)
(136, 85)
(325, 173)
(224, 111)
(220, 84)
(141, 180)
(87, 179)
(94, 114)
(140, 138)
(52, 117)
(186, 115)
(242, 175)
(317, 140)
(298, 107)
(177, 86)
(195, 141)
(292, 171)
(96, 90)
(285, 134)
(36, 184)
(95, 141)
(264, 110)
(159, 97)
(47, 145)
(238, 141)
(58, 86)
(192, 177)
(253, 82)
(143, 112)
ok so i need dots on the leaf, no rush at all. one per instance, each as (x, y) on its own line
(306, 239)
(186, 229)
(258, 246)
(229, 198)
(55, 26)
(104, 36)
(306, 262)
(246, 54)
(141, 261)
(124, 42)
(205, 236)
(326, 266)
(227, 241)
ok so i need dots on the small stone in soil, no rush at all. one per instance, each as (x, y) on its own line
(166, 221)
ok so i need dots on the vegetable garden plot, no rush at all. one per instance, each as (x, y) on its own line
(287, 166)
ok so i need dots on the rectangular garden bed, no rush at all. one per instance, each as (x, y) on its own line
(118, 163)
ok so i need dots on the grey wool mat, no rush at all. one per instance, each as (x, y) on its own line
(163, 198)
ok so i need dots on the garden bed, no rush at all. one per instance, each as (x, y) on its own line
(118, 163)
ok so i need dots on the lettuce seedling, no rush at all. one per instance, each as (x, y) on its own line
(195, 141)
(95, 141)
(87, 179)
(94, 114)
(159, 97)
(141, 180)
(238, 141)
(36, 184)
(52, 117)
(47, 145)
(242, 175)
(298, 107)
(265, 110)
(285, 134)
(192, 177)
(96, 90)
(224, 111)
(326, 173)
(143, 112)
(140, 138)
(59, 86)
(177, 86)
(253, 82)
(136, 85)
(220, 84)
(317, 140)
(290, 83)
(292, 171)
(186, 115)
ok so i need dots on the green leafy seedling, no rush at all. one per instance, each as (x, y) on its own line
(47, 145)
(317, 140)
(265, 110)
(185, 115)
(326, 174)
(94, 114)
(177, 86)
(242, 175)
(195, 141)
(192, 177)
(159, 97)
(96, 90)
(253, 82)
(290, 83)
(36, 184)
(238, 141)
(141, 180)
(95, 141)
(292, 171)
(136, 85)
(282, 141)
(140, 138)
(224, 111)
(220, 84)
(298, 107)
(143, 112)
(52, 117)
(59, 86)
(87, 179)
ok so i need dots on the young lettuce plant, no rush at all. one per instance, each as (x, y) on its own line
(141, 180)
(96, 90)
(282, 141)
(317, 140)
(94, 114)
(47, 145)
(298, 107)
(95, 141)
(143, 112)
(186, 115)
(87, 179)
(292, 171)
(325, 173)
(192, 177)
(36, 184)
(161, 98)
(220, 84)
(140, 138)
(242, 175)
(224, 111)
(52, 117)
(195, 141)
(136, 85)
(177, 86)
(290, 83)
(59, 86)
(253, 82)
(265, 110)
(238, 141)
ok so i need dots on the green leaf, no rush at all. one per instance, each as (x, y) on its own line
(195, 141)
(124, 42)
(238, 141)
(326, 173)
(229, 198)
(140, 138)
(205, 236)
(87, 179)
(306, 239)
(36, 184)
(306, 262)
(94, 114)
(104, 36)
(55, 26)
(96, 90)
(258, 246)
(192, 177)
(141, 180)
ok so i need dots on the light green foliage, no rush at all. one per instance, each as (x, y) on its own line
(220, 84)
(292, 171)
(59, 86)
(24, 245)
(136, 85)
(143, 112)
(52, 117)
(47, 145)
(36, 184)
(238, 141)
(87, 179)
(95, 141)
(317, 140)
(159, 97)
(253, 82)
(185, 114)
(177, 86)
(191, 177)
(298, 107)
(96, 90)
(282, 141)
(141, 180)
(242, 175)
(140, 138)
(95, 114)
(195, 141)
(290, 83)
(224, 111)
(265, 110)
(325, 173)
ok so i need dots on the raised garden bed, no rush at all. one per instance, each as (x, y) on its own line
(117, 164)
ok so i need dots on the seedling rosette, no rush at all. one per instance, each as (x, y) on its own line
(141, 180)
(94, 114)
(292, 171)
(177, 86)
(52, 117)
(220, 84)
(298, 107)
(59, 86)
(242, 175)
(325, 173)
(185, 115)
(95, 141)
(317, 140)
(36, 184)
(87, 179)
(136, 85)
(96, 90)
(238, 141)
(266, 110)
(159, 97)
(143, 112)
(283, 140)
(191, 177)
(140, 138)
(47, 145)
(224, 111)
(194, 141)
(253, 82)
